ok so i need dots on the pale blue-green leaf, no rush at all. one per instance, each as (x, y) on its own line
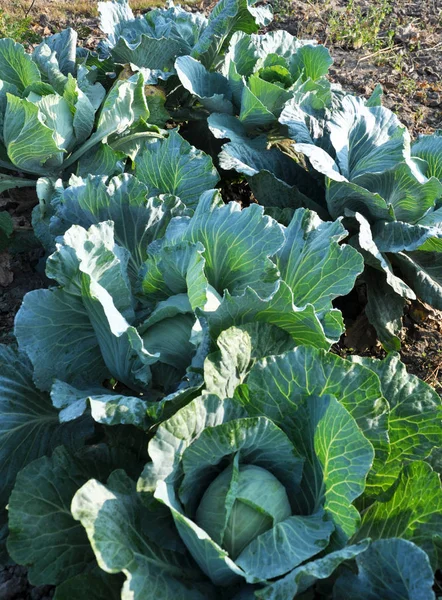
(29, 142)
(88, 84)
(106, 407)
(212, 89)
(226, 18)
(285, 546)
(227, 368)
(64, 45)
(111, 13)
(101, 160)
(335, 474)
(173, 166)
(58, 117)
(175, 434)
(423, 270)
(409, 194)
(275, 179)
(122, 348)
(53, 328)
(412, 510)
(178, 23)
(367, 139)
(313, 263)
(43, 534)
(414, 420)
(237, 245)
(138, 221)
(124, 106)
(374, 258)
(94, 585)
(29, 424)
(391, 569)
(93, 253)
(429, 148)
(82, 109)
(117, 525)
(384, 309)
(154, 57)
(320, 160)
(303, 127)
(398, 237)
(175, 270)
(211, 558)
(303, 324)
(253, 112)
(47, 62)
(17, 67)
(310, 61)
(278, 384)
(227, 126)
(170, 338)
(303, 577)
(342, 196)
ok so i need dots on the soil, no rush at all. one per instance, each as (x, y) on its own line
(14, 585)
(406, 59)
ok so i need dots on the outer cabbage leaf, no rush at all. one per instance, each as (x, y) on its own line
(391, 569)
(384, 309)
(428, 148)
(211, 89)
(87, 258)
(301, 303)
(29, 424)
(43, 533)
(96, 585)
(238, 244)
(16, 67)
(226, 18)
(413, 421)
(313, 264)
(152, 42)
(138, 221)
(276, 384)
(274, 178)
(119, 530)
(303, 577)
(173, 166)
(227, 368)
(29, 142)
(412, 510)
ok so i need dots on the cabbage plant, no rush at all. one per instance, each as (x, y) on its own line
(56, 117)
(259, 491)
(391, 190)
(150, 43)
(257, 77)
(362, 166)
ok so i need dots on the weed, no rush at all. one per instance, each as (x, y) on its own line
(355, 28)
(18, 29)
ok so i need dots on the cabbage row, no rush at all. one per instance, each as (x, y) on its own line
(172, 421)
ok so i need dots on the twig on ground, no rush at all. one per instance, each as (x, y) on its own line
(30, 8)
(372, 54)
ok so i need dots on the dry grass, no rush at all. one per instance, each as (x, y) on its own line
(58, 9)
